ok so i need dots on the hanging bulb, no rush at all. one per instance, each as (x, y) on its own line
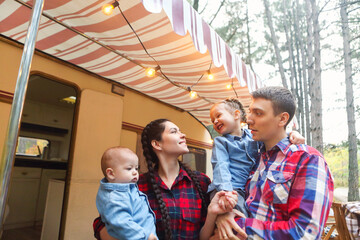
(229, 86)
(192, 93)
(150, 72)
(210, 75)
(211, 141)
(108, 9)
(242, 124)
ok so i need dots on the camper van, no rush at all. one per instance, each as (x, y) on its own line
(87, 91)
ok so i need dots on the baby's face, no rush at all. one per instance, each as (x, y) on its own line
(126, 169)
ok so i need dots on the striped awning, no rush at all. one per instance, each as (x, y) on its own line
(172, 32)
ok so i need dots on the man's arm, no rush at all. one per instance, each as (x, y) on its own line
(309, 203)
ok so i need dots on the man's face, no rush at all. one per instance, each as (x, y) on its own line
(261, 120)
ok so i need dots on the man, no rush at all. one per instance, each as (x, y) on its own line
(290, 193)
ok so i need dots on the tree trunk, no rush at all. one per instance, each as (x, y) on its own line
(316, 94)
(196, 5)
(275, 43)
(289, 47)
(310, 57)
(248, 58)
(353, 194)
(304, 75)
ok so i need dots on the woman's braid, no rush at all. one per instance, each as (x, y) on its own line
(151, 132)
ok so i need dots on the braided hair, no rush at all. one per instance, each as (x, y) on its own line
(153, 131)
(235, 104)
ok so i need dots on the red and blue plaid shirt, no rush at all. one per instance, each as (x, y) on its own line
(289, 195)
(183, 203)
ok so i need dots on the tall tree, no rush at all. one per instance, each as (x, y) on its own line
(299, 38)
(275, 43)
(315, 86)
(353, 194)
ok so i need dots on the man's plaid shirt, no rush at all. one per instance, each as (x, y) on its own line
(289, 195)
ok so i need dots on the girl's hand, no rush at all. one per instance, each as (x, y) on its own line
(228, 202)
(296, 138)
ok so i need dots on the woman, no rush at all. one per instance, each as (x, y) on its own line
(176, 194)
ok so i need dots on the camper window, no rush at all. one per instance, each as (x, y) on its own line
(32, 147)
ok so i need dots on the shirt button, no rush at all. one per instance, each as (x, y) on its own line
(309, 230)
(251, 197)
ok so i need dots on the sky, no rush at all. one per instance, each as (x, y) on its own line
(333, 86)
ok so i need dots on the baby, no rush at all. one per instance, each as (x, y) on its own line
(123, 208)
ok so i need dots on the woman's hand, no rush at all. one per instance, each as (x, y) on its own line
(152, 237)
(296, 138)
(225, 225)
(104, 235)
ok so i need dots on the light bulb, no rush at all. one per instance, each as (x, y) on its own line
(193, 94)
(210, 75)
(150, 72)
(228, 86)
(211, 141)
(242, 124)
(107, 9)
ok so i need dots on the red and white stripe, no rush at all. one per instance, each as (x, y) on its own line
(172, 32)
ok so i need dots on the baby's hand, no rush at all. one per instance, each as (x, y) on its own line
(228, 201)
(152, 237)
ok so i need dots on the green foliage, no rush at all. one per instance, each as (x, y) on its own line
(337, 157)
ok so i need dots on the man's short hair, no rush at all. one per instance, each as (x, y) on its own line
(281, 98)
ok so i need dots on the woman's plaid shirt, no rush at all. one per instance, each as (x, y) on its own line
(183, 203)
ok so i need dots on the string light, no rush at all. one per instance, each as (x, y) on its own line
(150, 72)
(210, 75)
(242, 124)
(108, 9)
(211, 141)
(192, 93)
(229, 86)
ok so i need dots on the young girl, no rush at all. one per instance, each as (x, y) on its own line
(176, 194)
(234, 153)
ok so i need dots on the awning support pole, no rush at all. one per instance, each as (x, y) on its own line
(17, 106)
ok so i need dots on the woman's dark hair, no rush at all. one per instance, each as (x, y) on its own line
(153, 131)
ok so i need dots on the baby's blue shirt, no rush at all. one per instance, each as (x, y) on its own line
(125, 211)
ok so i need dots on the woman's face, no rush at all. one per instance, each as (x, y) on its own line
(173, 141)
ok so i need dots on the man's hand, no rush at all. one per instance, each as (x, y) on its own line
(225, 225)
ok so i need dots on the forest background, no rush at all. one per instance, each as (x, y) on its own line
(311, 47)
